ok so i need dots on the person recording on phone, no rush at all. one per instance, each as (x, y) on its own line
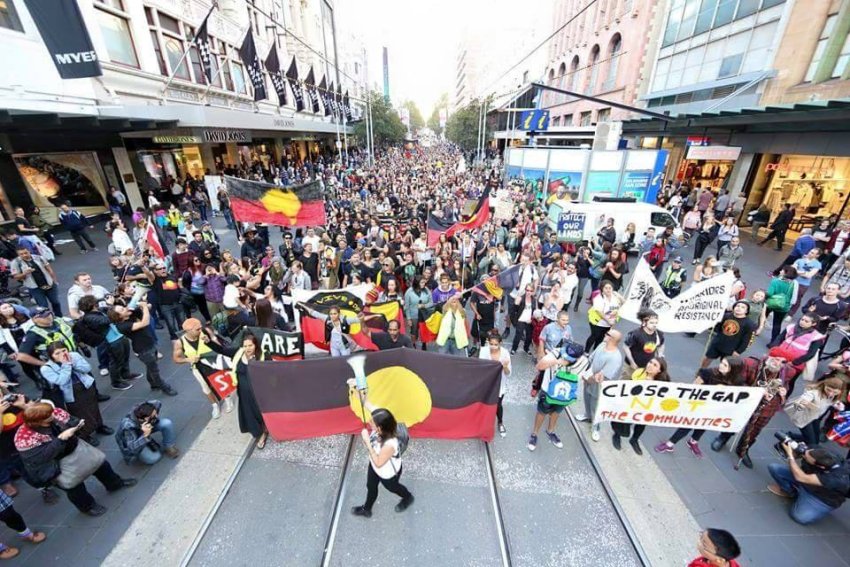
(71, 373)
(384, 456)
(817, 486)
(135, 434)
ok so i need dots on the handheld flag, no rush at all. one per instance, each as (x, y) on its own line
(256, 201)
(435, 395)
(494, 287)
(480, 215)
(153, 240)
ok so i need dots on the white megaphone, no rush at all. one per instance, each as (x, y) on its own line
(358, 365)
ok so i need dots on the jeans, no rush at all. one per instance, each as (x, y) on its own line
(102, 351)
(81, 498)
(149, 455)
(682, 432)
(47, 298)
(174, 316)
(582, 283)
(806, 508)
(591, 400)
(151, 367)
(119, 360)
(451, 348)
(391, 484)
(79, 236)
(228, 217)
(757, 225)
(522, 329)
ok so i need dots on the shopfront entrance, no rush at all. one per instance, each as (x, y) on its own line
(708, 166)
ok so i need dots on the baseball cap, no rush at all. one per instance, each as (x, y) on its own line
(42, 312)
(572, 351)
(677, 259)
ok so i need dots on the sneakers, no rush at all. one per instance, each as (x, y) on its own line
(581, 417)
(594, 434)
(171, 452)
(104, 372)
(362, 511)
(513, 352)
(718, 444)
(556, 441)
(104, 430)
(404, 504)
(694, 447)
(96, 509)
(167, 389)
(664, 447)
(502, 430)
(532, 442)
(121, 385)
(103, 397)
(228, 404)
(216, 412)
(134, 376)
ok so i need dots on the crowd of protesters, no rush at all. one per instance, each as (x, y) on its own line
(200, 294)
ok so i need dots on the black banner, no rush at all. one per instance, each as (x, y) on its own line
(202, 41)
(292, 76)
(310, 83)
(248, 53)
(277, 345)
(346, 105)
(333, 102)
(273, 67)
(65, 35)
(323, 92)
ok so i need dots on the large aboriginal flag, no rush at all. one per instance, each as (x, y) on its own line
(435, 395)
(494, 287)
(479, 216)
(256, 201)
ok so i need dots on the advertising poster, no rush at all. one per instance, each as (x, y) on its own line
(601, 183)
(53, 179)
(634, 184)
(533, 180)
(563, 185)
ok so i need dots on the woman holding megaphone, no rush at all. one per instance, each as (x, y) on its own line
(384, 456)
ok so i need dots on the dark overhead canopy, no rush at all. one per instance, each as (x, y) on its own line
(817, 116)
(41, 121)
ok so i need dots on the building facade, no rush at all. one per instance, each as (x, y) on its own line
(153, 114)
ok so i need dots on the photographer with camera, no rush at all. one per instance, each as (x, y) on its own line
(135, 434)
(818, 485)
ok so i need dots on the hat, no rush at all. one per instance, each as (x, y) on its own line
(572, 351)
(191, 323)
(249, 228)
(41, 312)
(677, 259)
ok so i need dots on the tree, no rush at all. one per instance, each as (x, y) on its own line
(463, 126)
(416, 120)
(386, 125)
(434, 119)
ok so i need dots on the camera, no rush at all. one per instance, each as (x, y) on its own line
(10, 398)
(152, 421)
(798, 447)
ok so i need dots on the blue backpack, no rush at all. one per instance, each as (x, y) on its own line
(562, 389)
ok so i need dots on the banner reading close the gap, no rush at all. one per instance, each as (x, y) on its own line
(671, 404)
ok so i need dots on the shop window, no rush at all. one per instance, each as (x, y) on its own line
(115, 29)
(821, 47)
(9, 16)
(843, 59)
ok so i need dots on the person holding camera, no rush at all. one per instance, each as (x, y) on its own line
(135, 434)
(805, 410)
(818, 485)
(385, 465)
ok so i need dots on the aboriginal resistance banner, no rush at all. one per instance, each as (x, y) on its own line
(479, 217)
(696, 309)
(435, 395)
(256, 201)
(276, 345)
(669, 404)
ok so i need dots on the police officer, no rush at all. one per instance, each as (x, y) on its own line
(33, 350)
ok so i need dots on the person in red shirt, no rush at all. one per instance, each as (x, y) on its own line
(717, 548)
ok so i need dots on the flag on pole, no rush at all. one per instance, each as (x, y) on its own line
(323, 92)
(494, 287)
(248, 53)
(434, 395)
(310, 84)
(332, 100)
(273, 67)
(202, 41)
(256, 201)
(347, 107)
(297, 93)
(153, 240)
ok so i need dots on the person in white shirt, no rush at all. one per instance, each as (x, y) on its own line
(120, 239)
(495, 351)
(83, 286)
(311, 238)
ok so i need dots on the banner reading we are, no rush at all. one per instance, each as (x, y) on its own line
(670, 404)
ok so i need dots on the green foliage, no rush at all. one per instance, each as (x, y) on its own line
(463, 126)
(416, 120)
(434, 119)
(386, 124)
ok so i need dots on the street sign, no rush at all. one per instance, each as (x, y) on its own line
(534, 120)
(571, 227)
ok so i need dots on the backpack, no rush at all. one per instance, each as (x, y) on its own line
(562, 389)
(84, 331)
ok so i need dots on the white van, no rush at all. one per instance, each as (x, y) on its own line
(573, 221)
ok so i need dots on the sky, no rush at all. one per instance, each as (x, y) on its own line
(422, 38)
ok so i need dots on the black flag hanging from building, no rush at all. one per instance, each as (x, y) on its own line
(323, 92)
(346, 105)
(297, 93)
(332, 101)
(273, 67)
(248, 53)
(65, 35)
(202, 41)
(310, 83)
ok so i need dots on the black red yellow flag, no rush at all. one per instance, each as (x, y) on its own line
(256, 201)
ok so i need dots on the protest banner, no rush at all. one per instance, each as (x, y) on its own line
(696, 309)
(571, 227)
(279, 345)
(504, 207)
(671, 404)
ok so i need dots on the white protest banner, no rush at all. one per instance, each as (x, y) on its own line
(696, 309)
(670, 404)
(212, 183)
(504, 206)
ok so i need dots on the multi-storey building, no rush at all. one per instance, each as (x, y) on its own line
(152, 113)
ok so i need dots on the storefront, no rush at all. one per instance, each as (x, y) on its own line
(707, 166)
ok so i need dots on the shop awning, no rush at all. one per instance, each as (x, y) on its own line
(815, 116)
(11, 121)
